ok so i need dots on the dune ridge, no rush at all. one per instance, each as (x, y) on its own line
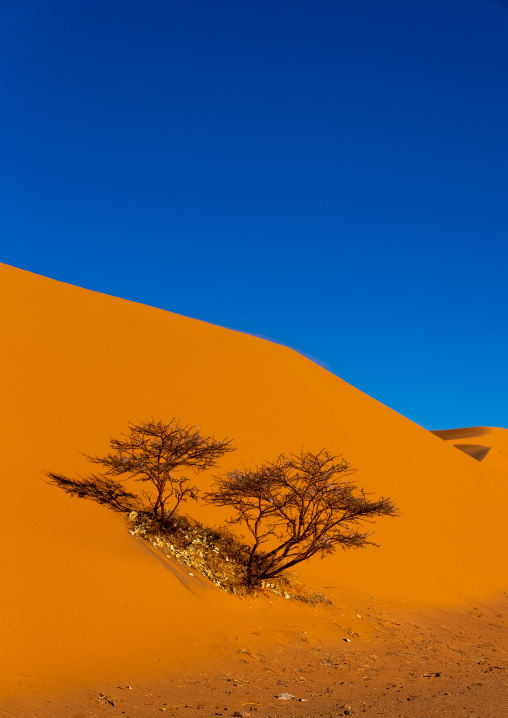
(78, 365)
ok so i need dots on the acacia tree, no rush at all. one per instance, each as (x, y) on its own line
(296, 507)
(154, 453)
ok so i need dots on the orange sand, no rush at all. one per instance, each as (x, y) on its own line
(82, 596)
(491, 443)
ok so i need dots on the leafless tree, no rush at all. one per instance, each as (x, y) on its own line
(296, 507)
(155, 453)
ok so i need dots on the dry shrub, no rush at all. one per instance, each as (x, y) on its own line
(313, 598)
(216, 553)
(296, 507)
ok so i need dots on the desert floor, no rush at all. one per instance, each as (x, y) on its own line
(395, 663)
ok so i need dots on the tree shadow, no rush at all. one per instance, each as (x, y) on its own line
(97, 488)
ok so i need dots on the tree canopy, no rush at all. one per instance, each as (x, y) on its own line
(156, 453)
(296, 507)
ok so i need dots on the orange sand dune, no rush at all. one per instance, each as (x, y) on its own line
(476, 451)
(81, 594)
(490, 445)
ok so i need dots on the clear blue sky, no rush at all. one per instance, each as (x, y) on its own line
(332, 175)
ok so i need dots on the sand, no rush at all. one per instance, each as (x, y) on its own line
(84, 602)
(490, 444)
(359, 657)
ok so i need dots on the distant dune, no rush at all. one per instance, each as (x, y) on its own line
(477, 451)
(453, 434)
(77, 365)
(491, 449)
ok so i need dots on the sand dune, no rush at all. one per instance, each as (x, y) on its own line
(81, 595)
(477, 451)
(468, 433)
(492, 449)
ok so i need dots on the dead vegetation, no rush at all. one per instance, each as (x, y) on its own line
(154, 453)
(293, 508)
(214, 553)
(217, 554)
(296, 507)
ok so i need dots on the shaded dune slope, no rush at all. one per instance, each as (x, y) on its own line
(477, 451)
(77, 365)
(490, 444)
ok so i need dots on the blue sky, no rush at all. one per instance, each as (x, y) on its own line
(332, 175)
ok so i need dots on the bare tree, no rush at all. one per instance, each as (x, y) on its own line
(155, 453)
(296, 507)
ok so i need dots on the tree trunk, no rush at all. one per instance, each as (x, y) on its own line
(159, 504)
(249, 565)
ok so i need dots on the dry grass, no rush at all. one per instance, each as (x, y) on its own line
(217, 554)
(314, 598)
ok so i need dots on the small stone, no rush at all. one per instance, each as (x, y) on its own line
(133, 515)
(284, 696)
(348, 640)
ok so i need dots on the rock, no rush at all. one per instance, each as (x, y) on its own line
(348, 640)
(284, 696)
(133, 515)
(242, 714)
